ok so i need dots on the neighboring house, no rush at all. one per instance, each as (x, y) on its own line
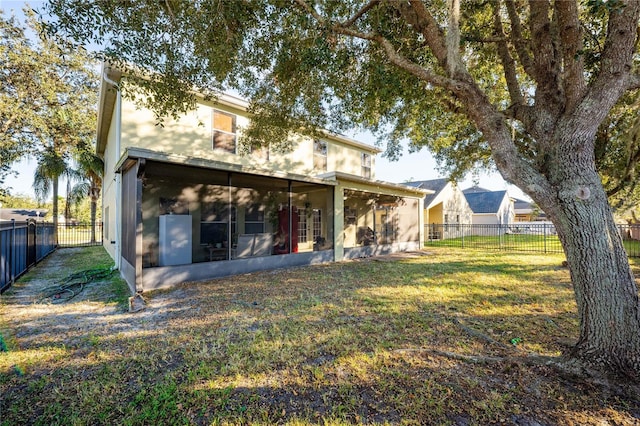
(490, 207)
(22, 215)
(445, 209)
(182, 203)
(526, 211)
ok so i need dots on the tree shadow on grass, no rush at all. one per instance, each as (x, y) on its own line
(315, 345)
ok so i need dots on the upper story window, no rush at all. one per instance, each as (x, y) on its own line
(224, 131)
(366, 165)
(320, 155)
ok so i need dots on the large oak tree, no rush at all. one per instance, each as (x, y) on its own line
(527, 82)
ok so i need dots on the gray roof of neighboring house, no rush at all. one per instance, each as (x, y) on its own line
(475, 189)
(522, 204)
(435, 185)
(22, 215)
(485, 202)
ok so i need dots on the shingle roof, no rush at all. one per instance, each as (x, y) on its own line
(436, 185)
(475, 189)
(519, 204)
(21, 215)
(485, 202)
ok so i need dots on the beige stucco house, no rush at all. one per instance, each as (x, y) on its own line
(182, 202)
(445, 209)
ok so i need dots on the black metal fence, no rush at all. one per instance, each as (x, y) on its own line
(22, 245)
(79, 234)
(523, 237)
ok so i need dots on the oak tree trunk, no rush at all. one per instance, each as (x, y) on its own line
(605, 289)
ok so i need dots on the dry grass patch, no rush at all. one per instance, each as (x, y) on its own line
(348, 343)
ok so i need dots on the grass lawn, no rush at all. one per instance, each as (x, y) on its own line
(518, 242)
(357, 342)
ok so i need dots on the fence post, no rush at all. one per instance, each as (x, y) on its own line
(463, 231)
(12, 249)
(544, 236)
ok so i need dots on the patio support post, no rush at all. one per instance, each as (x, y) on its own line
(421, 222)
(290, 202)
(229, 215)
(338, 223)
(139, 246)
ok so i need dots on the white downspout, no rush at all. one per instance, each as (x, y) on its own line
(118, 206)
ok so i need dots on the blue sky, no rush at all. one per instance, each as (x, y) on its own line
(411, 166)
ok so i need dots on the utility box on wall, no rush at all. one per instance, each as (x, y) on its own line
(175, 240)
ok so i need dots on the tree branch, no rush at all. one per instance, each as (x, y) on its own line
(415, 69)
(571, 45)
(546, 64)
(508, 64)
(392, 54)
(522, 47)
(304, 5)
(359, 13)
(453, 37)
(634, 82)
(614, 74)
(417, 16)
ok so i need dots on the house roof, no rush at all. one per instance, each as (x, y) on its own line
(435, 185)
(377, 185)
(475, 189)
(22, 215)
(522, 205)
(485, 202)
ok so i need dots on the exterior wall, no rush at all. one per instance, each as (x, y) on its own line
(191, 136)
(347, 159)
(485, 219)
(409, 221)
(506, 214)
(169, 276)
(436, 214)
(455, 204)
(109, 191)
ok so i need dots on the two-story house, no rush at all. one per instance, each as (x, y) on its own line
(184, 201)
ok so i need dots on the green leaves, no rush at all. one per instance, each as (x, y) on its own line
(48, 98)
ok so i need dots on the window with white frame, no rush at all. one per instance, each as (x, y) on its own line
(366, 165)
(320, 149)
(224, 131)
(254, 220)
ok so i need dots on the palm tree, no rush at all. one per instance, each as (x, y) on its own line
(51, 166)
(90, 168)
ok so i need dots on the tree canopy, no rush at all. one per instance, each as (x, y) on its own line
(522, 84)
(48, 95)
